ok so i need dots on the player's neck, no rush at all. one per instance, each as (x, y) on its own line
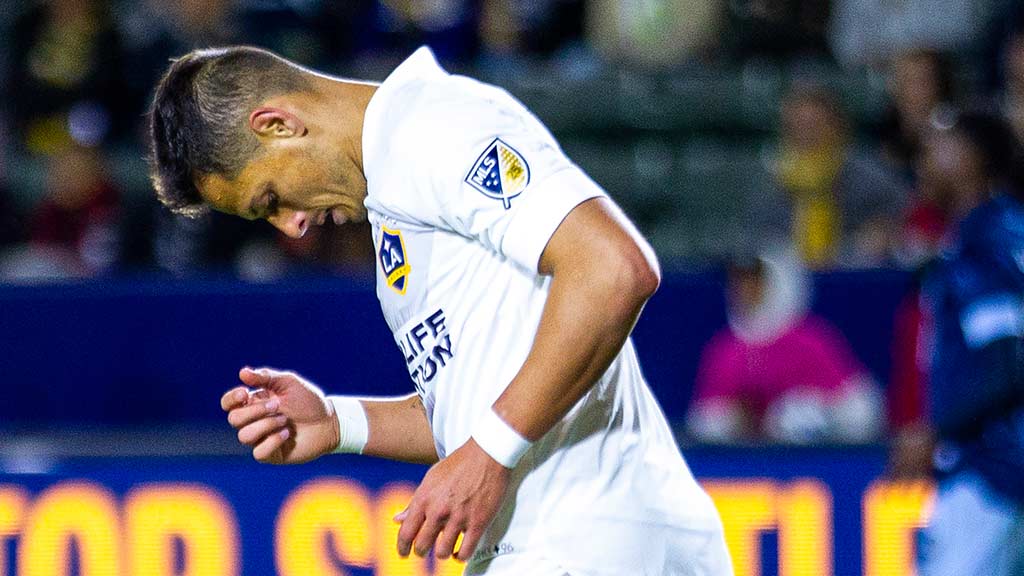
(341, 108)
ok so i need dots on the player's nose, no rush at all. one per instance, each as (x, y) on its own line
(292, 223)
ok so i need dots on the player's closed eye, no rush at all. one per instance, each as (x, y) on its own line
(270, 204)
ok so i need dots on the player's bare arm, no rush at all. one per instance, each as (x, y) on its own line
(399, 430)
(597, 261)
(288, 420)
(616, 274)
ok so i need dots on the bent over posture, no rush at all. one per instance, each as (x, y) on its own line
(510, 281)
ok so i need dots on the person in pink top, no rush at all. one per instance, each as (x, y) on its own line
(779, 373)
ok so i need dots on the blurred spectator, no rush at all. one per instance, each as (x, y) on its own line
(154, 31)
(653, 34)
(921, 88)
(779, 29)
(255, 251)
(66, 67)
(870, 32)
(836, 203)
(197, 23)
(951, 181)
(323, 249)
(79, 215)
(79, 71)
(314, 33)
(975, 300)
(400, 26)
(778, 372)
(536, 29)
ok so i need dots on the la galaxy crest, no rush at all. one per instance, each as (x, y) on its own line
(500, 173)
(393, 260)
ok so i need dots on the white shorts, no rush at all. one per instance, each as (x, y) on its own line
(661, 551)
(973, 531)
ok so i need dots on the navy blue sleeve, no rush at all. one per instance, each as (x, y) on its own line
(990, 391)
(978, 309)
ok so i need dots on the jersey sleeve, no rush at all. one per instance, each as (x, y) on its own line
(992, 317)
(987, 308)
(501, 179)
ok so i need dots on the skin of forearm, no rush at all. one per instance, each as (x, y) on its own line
(586, 320)
(399, 430)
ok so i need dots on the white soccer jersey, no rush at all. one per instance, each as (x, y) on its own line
(465, 188)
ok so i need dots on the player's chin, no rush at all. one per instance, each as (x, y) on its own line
(353, 212)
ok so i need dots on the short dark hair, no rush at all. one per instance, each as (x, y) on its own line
(198, 124)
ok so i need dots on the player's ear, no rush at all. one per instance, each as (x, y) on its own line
(275, 123)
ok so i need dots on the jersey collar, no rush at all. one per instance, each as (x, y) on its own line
(420, 65)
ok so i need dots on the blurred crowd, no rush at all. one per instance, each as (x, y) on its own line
(850, 163)
(842, 189)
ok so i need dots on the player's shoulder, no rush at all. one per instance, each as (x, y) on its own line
(996, 224)
(439, 125)
(992, 241)
(436, 119)
(458, 113)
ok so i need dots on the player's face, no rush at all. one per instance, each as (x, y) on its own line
(292, 186)
(746, 290)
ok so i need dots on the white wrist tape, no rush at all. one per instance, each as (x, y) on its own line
(352, 424)
(500, 440)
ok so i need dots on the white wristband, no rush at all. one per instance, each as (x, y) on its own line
(352, 424)
(500, 440)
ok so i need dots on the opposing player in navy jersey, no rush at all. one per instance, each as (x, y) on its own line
(975, 297)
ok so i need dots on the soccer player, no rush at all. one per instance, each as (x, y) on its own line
(976, 301)
(511, 283)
